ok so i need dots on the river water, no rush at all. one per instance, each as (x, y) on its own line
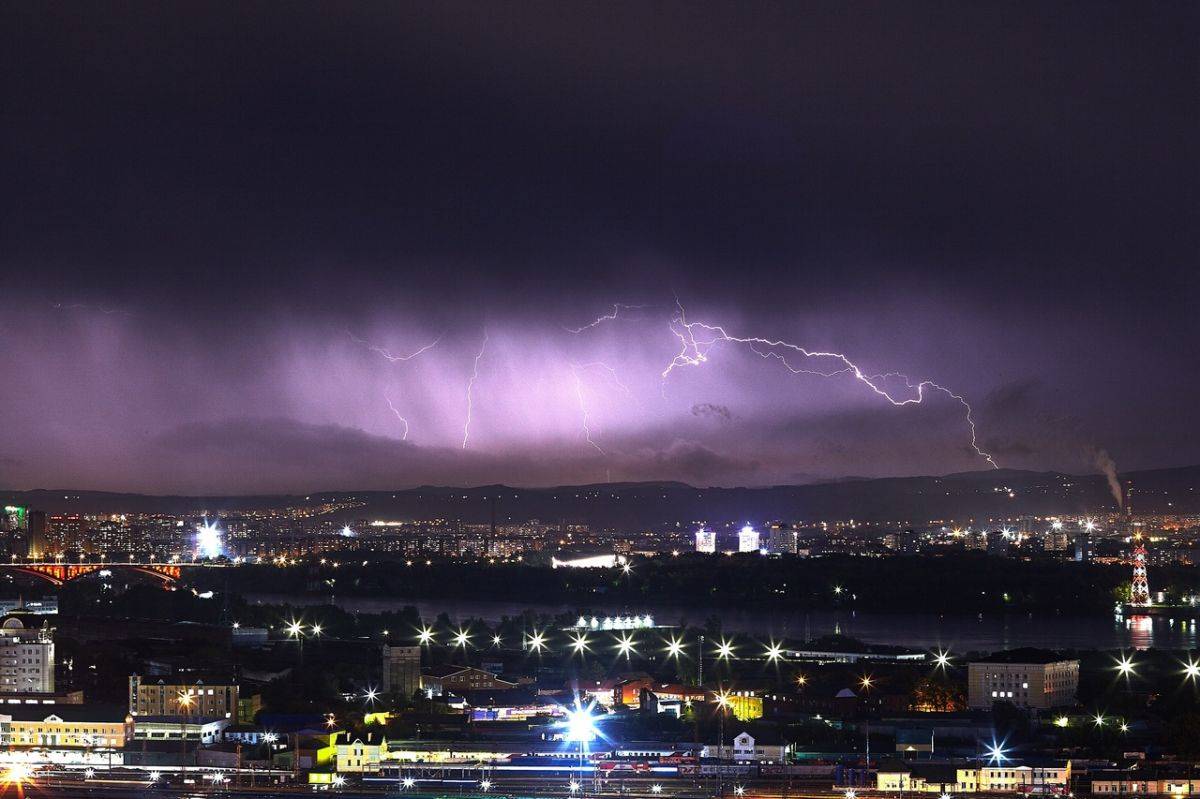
(959, 633)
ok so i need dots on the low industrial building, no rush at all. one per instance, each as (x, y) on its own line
(66, 726)
(1026, 678)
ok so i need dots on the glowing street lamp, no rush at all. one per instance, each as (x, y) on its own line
(408, 782)
(1125, 666)
(485, 785)
(580, 644)
(425, 636)
(997, 754)
(656, 788)
(849, 794)
(462, 638)
(1099, 720)
(739, 790)
(626, 645)
(497, 640)
(674, 647)
(724, 650)
(536, 642)
(774, 652)
(1191, 670)
(942, 659)
(371, 695)
(573, 787)
(867, 682)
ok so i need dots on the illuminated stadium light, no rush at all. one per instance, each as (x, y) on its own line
(615, 623)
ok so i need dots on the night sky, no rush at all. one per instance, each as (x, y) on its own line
(225, 227)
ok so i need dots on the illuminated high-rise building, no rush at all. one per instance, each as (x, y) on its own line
(706, 541)
(748, 539)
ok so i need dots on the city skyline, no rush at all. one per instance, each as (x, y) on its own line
(542, 246)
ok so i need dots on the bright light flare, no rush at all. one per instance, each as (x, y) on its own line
(580, 643)
(16, 774)
(674, 647)
(626, 645)
(942, 659)
(208, 540)
(1126, 666)
(581, 724)
(536, 642)
(1191, 669)
(462, 638)
(996, 753)
(425, 636)
(724, 650)
(408, 782)
(774, 652)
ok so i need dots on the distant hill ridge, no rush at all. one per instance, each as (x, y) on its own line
(630, 506)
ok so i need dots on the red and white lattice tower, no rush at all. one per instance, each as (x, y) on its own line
(1139, 593)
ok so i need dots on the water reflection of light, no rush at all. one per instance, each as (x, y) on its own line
(1141, 631)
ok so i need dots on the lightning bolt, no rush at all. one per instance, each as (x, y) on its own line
(403, 421)
(386, 354)
(599, 320)
(613, 378)
(694, 350)
(470, 389)
(583, 409)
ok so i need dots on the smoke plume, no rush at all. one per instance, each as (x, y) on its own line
(1105, 464)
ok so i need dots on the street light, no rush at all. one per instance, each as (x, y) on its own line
(774, 652)
(724, 650)
(674, 647)
(485, 785)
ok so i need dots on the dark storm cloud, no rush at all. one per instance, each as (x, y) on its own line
(710, 410)
(200, 200)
